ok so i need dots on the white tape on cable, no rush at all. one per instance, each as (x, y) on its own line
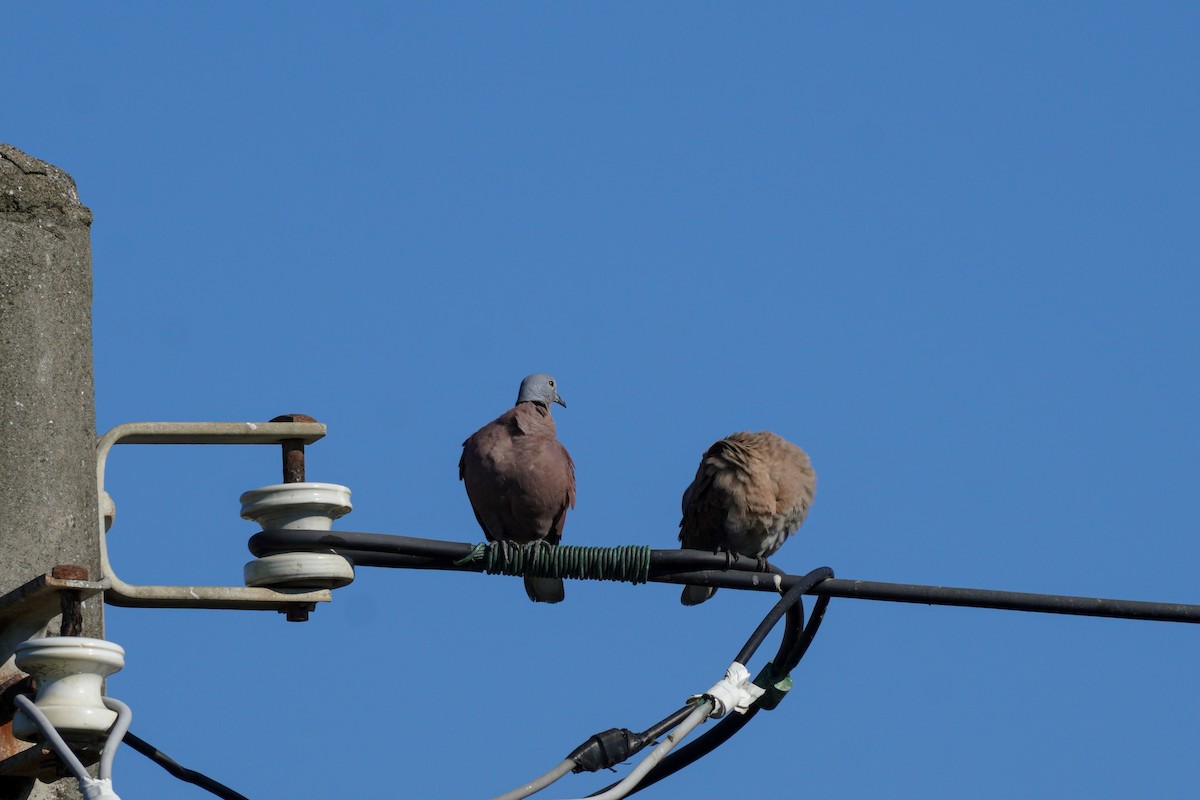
(98, 789)
(734, 692)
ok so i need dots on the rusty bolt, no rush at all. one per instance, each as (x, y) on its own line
(71, 600)
(293, 450)
(69, 572)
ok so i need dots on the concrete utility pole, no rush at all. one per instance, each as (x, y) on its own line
(48, 510)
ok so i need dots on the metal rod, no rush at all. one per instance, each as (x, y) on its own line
(293, 450)
(70, 600)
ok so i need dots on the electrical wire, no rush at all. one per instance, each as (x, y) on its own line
(118, 733)
(602, 751)
(115, 735)
(796, 653)
(793, 596)
(658, 729)
(630, 782)
(53, 737)
(537, 784)
(182, 773)
(707, 569)
(792, 647)
(728, 727)
(99, 788)
(385, 550)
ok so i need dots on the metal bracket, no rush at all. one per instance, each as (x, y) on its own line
(38, 760)
(26, 610)
(24, 614)
(295, 604)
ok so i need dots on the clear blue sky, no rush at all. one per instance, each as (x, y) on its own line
(949, 248)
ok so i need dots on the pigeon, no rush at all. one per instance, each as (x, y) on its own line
(520, 479)
(751, 492)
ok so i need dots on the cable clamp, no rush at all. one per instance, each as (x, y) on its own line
(734, 692)
(98, 789)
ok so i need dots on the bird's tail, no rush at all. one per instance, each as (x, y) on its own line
(695, 595)
(545, 590)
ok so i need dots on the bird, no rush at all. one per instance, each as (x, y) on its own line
(751, 492)
(519, 477)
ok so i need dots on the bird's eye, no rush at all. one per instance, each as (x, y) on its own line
(551, 384)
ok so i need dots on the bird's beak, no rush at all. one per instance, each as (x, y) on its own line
(559, 400)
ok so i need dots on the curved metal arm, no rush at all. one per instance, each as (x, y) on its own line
(131, 595)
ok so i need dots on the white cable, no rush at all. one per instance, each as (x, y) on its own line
(92, 788)
(53, 737)
(703, 709)
(734, 692)
(538, 784)
(115, 735)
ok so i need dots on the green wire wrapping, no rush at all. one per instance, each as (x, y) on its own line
(776, 687)
(628, 564)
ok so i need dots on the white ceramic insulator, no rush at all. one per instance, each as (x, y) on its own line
(298, 506)
(70, 672)
(299, 571)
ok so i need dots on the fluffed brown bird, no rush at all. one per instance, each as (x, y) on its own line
(751, 492)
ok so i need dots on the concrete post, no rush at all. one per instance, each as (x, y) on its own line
(47, 413)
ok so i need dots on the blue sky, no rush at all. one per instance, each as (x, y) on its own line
(949, 248)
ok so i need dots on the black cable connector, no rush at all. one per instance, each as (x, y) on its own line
(608, 748)
(605, 750)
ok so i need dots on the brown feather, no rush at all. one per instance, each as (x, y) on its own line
(750, 493)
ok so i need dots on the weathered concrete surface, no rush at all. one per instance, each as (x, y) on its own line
(47, 410)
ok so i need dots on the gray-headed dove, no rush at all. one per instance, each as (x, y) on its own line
(751, 492)
(519, 477)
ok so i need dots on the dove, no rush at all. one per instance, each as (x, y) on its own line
(520, 479)
(751, 492)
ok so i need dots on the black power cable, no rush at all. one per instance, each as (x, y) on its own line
(792, 648)
(182, 773)
(793, 597)
(639, 565)
(726, 728)
(609, 748)
(707, 569)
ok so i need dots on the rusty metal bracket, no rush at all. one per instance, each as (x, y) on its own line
(292, 436)
(39, 760)
(47, 593)
(25, 613)
(27, 610)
